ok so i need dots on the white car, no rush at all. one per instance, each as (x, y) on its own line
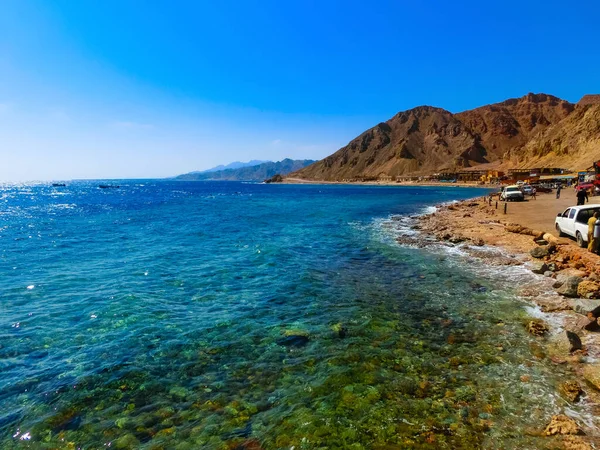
(573, 222)
(511, 193)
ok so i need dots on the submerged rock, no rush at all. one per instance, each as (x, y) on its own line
(340, 330)
(293, 341)
(127, 441)
(572, 390)
(591, 372)
(561, 424)
(537, 327)
(563, 344)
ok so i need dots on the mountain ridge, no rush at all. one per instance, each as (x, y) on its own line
(257, 172)
(427, 139)
(233, 165)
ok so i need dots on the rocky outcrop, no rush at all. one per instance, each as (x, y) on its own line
(277, 178)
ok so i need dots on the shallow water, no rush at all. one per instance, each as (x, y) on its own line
(218, 315)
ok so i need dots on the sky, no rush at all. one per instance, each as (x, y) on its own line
(151, 89)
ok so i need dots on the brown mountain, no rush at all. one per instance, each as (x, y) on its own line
(572, 143)
(426, 140)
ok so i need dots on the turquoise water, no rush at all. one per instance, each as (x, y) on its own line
(230, 315)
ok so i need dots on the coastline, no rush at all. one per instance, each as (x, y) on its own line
(476, 224)
(390, 183)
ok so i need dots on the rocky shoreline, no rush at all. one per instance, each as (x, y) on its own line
(478, 223)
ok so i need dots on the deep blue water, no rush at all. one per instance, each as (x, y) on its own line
(230, 315)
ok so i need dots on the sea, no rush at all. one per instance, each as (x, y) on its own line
(227, 315)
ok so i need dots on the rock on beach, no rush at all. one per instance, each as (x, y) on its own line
(561, 424)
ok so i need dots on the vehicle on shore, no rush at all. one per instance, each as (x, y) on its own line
(573, 222)
(527, 189)
(542, 188)
(512, 193)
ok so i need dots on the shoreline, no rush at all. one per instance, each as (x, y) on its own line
(476, 223)
(391, 183)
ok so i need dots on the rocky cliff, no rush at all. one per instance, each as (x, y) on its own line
(424, 140)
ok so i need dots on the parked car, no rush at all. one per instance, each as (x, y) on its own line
(542, 188)
(527, 189)
(512, 193)
(573, 222)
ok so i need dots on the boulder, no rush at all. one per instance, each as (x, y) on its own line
(591, 373)
(586, 323)
(538, 267)
(564, 343)
(539, 252)
(572, 390)
(588, 289)
(586, 306)
(562, 424)
(548, 273)
(566, 273)
(569, 287)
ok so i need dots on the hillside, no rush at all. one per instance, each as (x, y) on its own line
(573, 143)
(258, 172)
(515, 133)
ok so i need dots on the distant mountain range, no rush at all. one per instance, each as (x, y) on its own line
(258, 172)
(537, 130)
(234, 165)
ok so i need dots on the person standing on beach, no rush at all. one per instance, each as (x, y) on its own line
(558, 191)
(592, 241)
(582, 196)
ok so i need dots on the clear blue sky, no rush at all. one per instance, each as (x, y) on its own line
(93, 89)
